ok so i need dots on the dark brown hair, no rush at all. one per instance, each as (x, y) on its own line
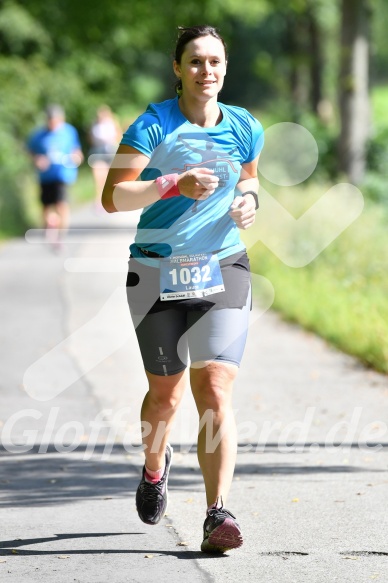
(189, 33)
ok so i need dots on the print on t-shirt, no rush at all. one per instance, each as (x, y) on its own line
(210, 158)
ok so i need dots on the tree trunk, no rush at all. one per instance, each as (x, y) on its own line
(316, 60)
(354, 88)
(296, 55)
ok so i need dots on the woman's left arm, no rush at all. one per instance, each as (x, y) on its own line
(243, 209)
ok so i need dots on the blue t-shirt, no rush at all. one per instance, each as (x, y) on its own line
(57, 145)
(180, 225)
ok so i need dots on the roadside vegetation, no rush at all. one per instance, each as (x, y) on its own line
(343, 293)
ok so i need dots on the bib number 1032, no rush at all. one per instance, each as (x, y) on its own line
(192, 275)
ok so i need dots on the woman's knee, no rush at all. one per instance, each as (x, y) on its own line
(212, 385)
(165, 393)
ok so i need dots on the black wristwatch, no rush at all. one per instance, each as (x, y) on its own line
(254, 194)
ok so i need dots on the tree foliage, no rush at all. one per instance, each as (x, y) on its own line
(283, 57)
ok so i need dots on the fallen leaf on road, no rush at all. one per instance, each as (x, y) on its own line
(189, 501)
(352, 558)
(3, 560)
(148, 556)
(14, 552)
(63, 557)
(295, 500)
(182, 544)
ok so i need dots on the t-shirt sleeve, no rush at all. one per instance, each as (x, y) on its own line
(145, 134)
(257, 138)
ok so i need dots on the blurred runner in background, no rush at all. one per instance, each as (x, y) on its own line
(56, 153)
(105, 135)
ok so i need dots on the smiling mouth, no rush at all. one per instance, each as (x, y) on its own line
(205, 82)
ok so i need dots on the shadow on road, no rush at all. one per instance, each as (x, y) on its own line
(12, 547)
(41, 479)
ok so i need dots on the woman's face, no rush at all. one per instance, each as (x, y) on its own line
(202, 68)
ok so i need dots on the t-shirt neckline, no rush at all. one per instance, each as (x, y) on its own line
(217, 126)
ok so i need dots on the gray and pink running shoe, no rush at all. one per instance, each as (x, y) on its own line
(151, 499)
(221, 531)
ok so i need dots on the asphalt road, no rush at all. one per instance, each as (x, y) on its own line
(311, 483)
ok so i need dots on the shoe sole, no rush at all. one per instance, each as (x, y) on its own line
(223, 538)
(167, 476)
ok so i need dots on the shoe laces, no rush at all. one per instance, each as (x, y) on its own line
(151, 491)
(219, 511)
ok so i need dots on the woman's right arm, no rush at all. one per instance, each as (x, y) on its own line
(123, 192)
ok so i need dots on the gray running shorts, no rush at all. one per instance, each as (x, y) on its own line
(168, 338)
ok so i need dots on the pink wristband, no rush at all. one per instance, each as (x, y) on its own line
(167, 185)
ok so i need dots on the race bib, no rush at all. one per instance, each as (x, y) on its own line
(190, 276)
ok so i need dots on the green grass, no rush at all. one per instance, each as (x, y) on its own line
(379, 100)
(343, 294)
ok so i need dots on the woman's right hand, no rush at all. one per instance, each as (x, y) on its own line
(198, 183)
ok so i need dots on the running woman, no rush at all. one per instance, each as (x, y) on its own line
(191, 164)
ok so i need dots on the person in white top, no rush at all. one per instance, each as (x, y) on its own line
(104, 137)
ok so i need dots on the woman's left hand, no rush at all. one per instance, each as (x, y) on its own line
(243, 211)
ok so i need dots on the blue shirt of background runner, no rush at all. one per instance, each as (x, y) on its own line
(57, 145)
